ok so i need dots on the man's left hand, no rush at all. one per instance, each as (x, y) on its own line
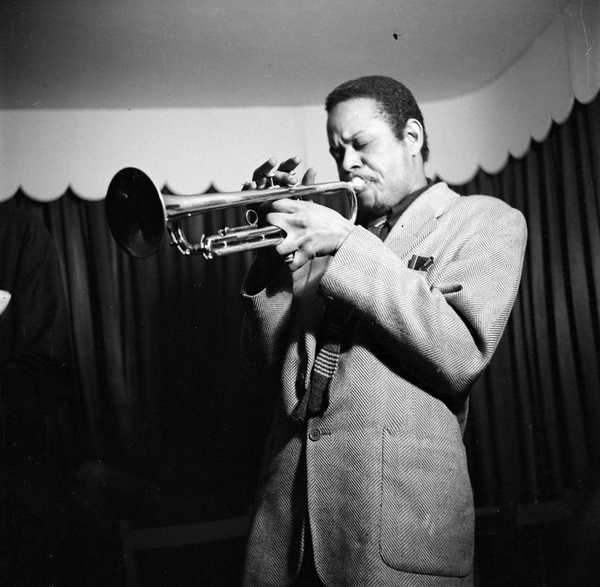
(311, 230)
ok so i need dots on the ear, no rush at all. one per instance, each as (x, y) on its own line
(413, 135)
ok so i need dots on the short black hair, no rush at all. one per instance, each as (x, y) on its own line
(396, 102)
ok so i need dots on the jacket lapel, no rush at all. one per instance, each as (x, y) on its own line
(420, 219)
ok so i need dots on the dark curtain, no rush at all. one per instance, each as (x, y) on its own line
(534, 431)
(156, 348)
(156, 343)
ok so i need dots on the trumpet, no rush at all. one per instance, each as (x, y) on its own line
(138, 215)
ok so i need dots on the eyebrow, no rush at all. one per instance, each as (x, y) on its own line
(349, 138)
(346, 139)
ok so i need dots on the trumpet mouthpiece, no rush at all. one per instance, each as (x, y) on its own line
(358, 183)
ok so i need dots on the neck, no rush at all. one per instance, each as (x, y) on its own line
(418, 180)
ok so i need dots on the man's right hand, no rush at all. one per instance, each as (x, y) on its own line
(271, 174)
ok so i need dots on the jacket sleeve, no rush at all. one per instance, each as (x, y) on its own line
(266, 303)
(446, 331)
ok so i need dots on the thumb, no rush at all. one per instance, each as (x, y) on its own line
(309, 177)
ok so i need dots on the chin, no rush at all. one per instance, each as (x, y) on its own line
(367, 198)
(370, 204)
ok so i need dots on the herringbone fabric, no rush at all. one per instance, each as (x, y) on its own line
(383, 471)
(314, 401)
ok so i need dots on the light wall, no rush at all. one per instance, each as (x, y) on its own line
(45, 151)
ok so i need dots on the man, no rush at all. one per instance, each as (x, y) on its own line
(372, 335)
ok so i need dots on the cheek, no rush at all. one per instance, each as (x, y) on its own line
(382, 166)
(396, 172)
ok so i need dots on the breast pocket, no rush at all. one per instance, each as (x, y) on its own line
(426, 517)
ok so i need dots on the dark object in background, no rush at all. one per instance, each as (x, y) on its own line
(37, 404)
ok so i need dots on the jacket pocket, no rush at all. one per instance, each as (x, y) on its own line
(426, 516)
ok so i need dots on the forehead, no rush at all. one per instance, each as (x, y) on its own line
(352, 116)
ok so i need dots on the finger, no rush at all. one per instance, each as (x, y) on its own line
(295, 259)
(289, 164)
(284, 178)
(309, 177)
(262, 210)
(264, 170)
(248, 185)
(285, 247)
(287, 205)
(279, 219)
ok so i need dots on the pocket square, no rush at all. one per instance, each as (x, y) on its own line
(420, 263)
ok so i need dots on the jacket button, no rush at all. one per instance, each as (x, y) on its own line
(314, 434)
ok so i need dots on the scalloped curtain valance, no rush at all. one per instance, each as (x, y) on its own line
(44, 151)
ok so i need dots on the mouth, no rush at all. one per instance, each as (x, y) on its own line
(358, 183)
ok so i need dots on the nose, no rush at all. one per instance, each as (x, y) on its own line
(351, 160)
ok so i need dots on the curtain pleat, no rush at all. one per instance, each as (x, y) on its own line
(156, 339)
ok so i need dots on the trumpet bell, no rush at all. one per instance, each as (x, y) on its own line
(135, 212)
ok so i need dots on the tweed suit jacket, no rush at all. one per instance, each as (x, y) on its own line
(380, 479)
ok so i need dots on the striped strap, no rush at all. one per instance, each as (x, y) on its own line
(316, 399)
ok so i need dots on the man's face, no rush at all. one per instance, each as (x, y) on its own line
(364, 145)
